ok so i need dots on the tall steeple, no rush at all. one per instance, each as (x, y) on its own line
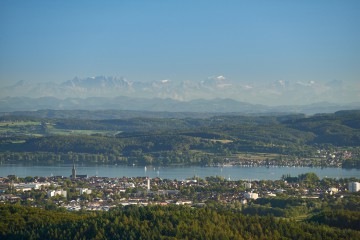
(73, 176)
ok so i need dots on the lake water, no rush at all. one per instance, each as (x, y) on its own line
(174, 172)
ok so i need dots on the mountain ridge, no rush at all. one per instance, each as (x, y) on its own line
(271, 93)
(217, 105)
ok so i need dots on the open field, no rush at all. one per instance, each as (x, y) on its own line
(67, 132)
(16, 128)
(35, 129)
(259, 156)
(221, 140)
(18, 123)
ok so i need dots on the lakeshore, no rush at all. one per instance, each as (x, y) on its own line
(174, 172)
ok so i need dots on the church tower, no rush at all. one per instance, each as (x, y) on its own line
(73, 176)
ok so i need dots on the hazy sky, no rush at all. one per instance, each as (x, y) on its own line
(245, 41)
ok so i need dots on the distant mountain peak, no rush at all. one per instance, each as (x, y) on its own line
(20, 83)
(96, 82)
(218, 86)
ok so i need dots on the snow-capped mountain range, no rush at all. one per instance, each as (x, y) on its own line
(214, 94)
(102, 86)
(276, 93)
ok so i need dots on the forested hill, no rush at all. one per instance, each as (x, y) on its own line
(340, 128)
(155, 222)
(178, 140)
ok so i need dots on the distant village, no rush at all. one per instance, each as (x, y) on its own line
(321, 158)
(80, 192)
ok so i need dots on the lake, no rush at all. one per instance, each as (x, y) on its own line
(174, 172)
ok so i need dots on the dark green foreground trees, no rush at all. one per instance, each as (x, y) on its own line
(156, 222)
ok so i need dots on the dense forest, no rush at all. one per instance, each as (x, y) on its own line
(155, 222)
(203, 140)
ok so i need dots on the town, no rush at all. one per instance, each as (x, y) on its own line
(80, 192)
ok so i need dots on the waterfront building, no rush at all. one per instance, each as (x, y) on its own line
(76, 176)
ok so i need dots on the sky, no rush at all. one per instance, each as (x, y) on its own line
(249, 42)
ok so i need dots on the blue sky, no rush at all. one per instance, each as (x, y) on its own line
(245, 41)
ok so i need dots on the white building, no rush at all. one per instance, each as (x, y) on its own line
(251, 195)
(271, 194)
(354, 186)
(279, 190)
(85, 190)
(52, 193)
(148, 184)
(247, 184)
(185, 202)
(28, 186)
(129, 185)
(333, 190)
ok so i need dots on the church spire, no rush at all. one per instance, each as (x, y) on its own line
(73, 176)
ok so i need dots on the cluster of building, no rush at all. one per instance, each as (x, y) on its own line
(102, 193)
(320, 158)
